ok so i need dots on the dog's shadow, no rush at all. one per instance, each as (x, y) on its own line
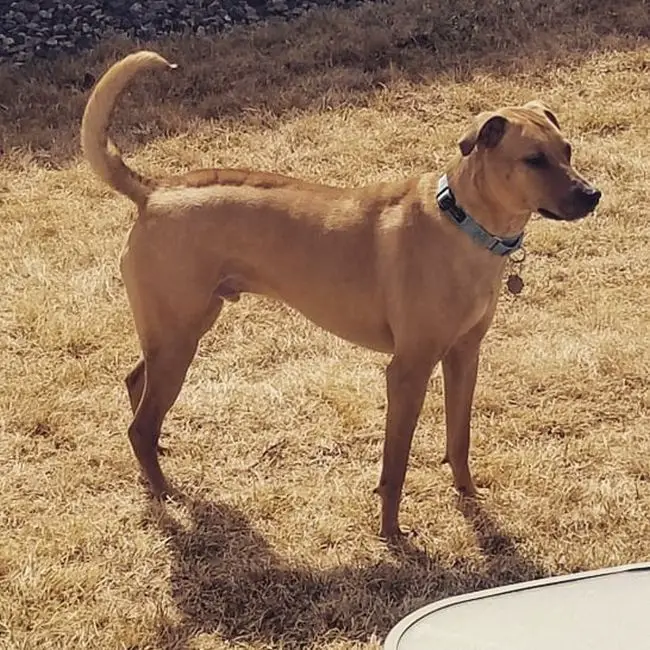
(226, 580)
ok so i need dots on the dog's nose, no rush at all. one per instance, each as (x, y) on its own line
(588, 197)
(593, 197)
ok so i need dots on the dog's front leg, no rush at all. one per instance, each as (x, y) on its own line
(460, 368)
(407, 378)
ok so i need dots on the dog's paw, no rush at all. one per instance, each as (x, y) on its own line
(162, 492)
(473, 494)
(396, 535)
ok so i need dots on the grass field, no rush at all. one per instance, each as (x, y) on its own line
(277, 435)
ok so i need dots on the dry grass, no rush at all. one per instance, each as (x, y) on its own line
(277, 435)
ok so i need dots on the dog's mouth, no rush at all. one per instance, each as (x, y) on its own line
(547, 214)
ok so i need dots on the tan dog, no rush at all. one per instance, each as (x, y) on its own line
(382, 266)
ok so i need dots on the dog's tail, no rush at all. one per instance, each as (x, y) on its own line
(99, 150)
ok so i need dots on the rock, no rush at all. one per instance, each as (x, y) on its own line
(278, 6)
(237, 13)
(26, 6)
(214, 23)
(44, 28)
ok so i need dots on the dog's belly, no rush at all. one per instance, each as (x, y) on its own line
(356, 328)
(353, 317)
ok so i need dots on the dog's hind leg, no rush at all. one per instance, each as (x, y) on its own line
(163, 368)
(135, 384)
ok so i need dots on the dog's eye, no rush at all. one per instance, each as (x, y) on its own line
(537, 160)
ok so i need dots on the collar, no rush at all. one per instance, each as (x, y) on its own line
(497, 245)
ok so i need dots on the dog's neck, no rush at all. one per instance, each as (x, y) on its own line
(474, 196)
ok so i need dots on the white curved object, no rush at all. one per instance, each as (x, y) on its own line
(608, 609)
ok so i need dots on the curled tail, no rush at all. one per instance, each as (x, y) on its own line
(100, 152)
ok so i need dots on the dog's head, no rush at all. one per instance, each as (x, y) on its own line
(525, 163)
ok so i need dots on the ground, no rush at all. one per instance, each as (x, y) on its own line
(276, 438)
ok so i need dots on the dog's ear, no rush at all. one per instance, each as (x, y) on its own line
(540, 107)
(487, 131)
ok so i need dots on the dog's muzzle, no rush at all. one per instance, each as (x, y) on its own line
(582, 200)
(587, 198)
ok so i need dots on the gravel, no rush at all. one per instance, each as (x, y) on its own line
(47, 28)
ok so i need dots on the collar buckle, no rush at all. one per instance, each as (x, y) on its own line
(496, 245)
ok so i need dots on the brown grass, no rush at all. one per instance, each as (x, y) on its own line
(277, 435)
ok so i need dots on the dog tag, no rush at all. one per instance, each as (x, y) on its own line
(515, 284)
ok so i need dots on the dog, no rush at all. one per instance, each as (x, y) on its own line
(411, 268)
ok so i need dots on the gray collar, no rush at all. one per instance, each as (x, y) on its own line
(497, 245)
